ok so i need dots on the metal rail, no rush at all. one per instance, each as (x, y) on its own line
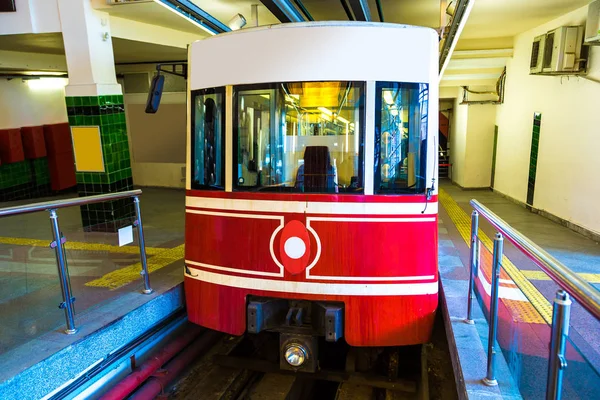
(59, 240)
(572, 284)
(577, 287)
(78, 201)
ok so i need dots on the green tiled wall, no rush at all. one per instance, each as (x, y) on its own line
(24, 180)
(15, 174)
(108, 113)
(41, 171)
(533, 156)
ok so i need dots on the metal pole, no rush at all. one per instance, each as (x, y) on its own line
(490, 378)
(473, 264)
(63, 274)
(558, 343)
(140, 230)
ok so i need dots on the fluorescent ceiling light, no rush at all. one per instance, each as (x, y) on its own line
(47, 83)
(344, 120)
(325, 111)
(187, 18)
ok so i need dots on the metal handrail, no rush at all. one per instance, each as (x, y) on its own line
(577, 287)
(59, 240)
(78, 201)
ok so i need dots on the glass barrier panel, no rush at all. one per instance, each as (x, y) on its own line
(581, 379)
(483, 278)
(523, 335)
(29, 286)
(100, 266)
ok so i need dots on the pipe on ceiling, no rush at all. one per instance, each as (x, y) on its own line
(195, 14)
(379, 10)
(302, 8)
(283, 10)
(361, 10)
(459, 20)
(347, 10)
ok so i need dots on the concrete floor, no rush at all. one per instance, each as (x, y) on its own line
(99, 270)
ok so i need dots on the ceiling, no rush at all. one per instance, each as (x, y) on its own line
(45, 43)
(491, 25)
(131, 51)
(489, 19)
(125, 51)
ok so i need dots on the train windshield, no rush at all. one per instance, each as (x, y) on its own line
(299, 137)
(400, 137)
(208, 138)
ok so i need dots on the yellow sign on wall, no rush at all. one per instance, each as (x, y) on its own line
(87, 147)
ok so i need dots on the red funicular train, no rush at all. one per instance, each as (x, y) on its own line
(311, 203)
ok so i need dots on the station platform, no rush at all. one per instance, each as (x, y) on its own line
(105, 280)
(525, 305)
(111, 310)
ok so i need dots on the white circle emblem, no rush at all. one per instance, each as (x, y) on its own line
(294, 247)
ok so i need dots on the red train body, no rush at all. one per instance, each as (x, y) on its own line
(390, 297)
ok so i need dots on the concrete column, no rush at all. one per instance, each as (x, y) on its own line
(95, 100)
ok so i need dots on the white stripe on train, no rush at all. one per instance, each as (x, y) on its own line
(340, 289)
(313, 207)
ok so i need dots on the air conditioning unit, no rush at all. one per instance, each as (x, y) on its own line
(537, 54)
(592, 26)
(562, 49)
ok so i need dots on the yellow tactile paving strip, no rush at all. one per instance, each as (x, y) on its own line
(121, 277)
(80, 246)
(158, 258)
(462, 221)
(541, 276)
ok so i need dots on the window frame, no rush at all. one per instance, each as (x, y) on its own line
(361, 85)
(380, 86)
(194, 94)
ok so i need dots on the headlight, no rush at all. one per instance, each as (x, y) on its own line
(295, 355)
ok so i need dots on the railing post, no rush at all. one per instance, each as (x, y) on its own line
(63, 274)
(557, 361)
(473, 264)
(140, 231)
(490, 378)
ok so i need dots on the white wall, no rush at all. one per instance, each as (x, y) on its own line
(149, 172)
(480, 144)
(17, 22)
(22, 106)
(458, 141)
(32, 16)
(567, 174)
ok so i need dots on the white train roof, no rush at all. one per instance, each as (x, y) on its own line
(316, 51)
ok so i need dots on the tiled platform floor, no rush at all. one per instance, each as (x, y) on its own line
(100, 270)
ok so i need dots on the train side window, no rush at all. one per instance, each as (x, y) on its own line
(208, 139)
(299, 137)
(400, 138)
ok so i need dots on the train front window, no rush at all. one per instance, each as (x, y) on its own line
(299, 137)
(400, 137)
(208, 138)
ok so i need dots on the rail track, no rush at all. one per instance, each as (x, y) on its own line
(183, 361)
(246, 369)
